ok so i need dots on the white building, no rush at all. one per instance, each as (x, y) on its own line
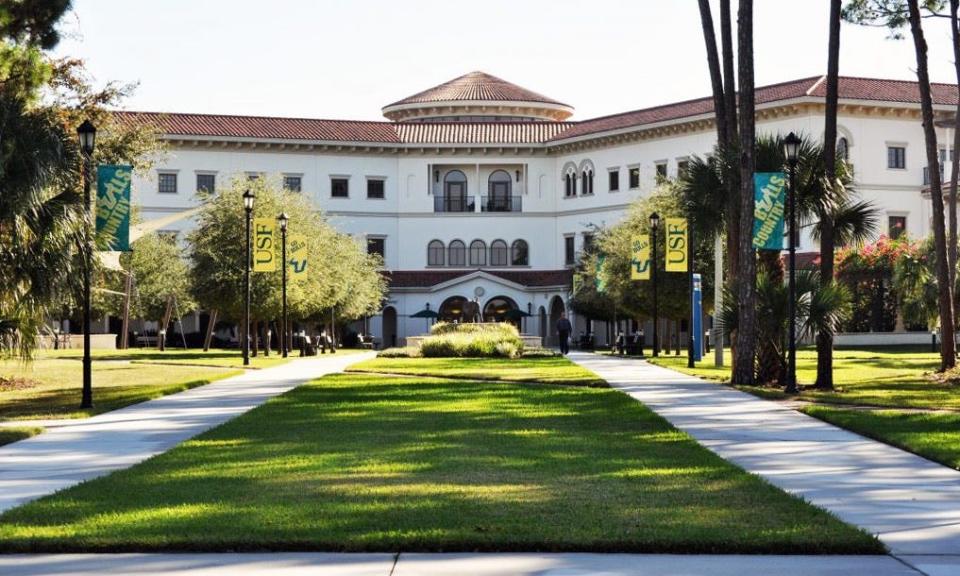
(481, 189)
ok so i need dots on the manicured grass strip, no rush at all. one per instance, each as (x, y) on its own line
(935, 436)
(115, 385)
(15, 434)
(546, 370)
(192, 357)
(358, 462)
(894, 378)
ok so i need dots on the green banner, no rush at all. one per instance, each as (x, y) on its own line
(769, 195)
(113, 207)
(600, 280)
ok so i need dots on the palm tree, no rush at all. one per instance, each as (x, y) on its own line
(40, 218)
(853, 221)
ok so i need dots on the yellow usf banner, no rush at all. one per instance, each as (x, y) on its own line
(264, 248)
(640, 263)
(676, 245)
(297, 257)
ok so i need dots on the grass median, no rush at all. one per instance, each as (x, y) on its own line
(365, 462)
(544, 370)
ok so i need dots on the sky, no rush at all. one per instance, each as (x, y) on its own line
(347, 59)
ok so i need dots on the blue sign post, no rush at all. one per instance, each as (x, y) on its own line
(696, 306)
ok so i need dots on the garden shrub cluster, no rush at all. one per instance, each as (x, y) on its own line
(472, 341)
(404, 352)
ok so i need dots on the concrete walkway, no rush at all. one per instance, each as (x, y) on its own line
(91, 447)
(292, 564)
(912, 504)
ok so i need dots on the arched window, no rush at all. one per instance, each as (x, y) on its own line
(519, 253)
(478, 253)
(452, 309)
(843, 148)
(570, 184)
(455, 191)
(498, 192)
(457, 253)
(435, 253)
(586, 186)
(498, 253)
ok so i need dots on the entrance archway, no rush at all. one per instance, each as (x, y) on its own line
(389, 327)
(452, 309)
(497, 308)
(556, 309)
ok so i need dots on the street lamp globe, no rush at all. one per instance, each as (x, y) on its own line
(791, 148)
(87, 133)
(654, 221)
(248, 198)
(283, 219)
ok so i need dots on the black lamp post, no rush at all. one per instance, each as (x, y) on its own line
(283, 219)
(791, 149)
(654, 226)
(87, 134)
(248, 199)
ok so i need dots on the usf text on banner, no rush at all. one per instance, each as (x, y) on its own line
(297, 257)
(769, 197)
(113, 207)
(640, 264)
(676, 245)
(264, 252)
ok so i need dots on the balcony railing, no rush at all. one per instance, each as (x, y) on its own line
(926, 175)
(501, 203)
(453, 204)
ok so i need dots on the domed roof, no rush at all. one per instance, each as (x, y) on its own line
(477, 94)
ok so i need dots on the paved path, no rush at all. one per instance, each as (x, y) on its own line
(91, 447)
(911, 503)
(452, 564)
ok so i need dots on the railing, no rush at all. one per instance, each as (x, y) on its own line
(453, 204)
(926, 175)
(501, 203)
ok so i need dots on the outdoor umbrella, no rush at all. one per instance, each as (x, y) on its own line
(426, 313)
(516, 314)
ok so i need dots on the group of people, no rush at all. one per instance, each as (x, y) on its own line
(632, 344)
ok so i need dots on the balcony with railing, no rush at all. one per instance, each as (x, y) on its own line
(453, 204)
(926, 174)
(501, 204)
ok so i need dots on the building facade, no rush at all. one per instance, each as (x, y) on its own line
(480, 190)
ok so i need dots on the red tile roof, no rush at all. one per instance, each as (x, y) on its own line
(428, 278)
(476, 86)
(216, 126)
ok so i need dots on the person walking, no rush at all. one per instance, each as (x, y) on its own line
(563, 330)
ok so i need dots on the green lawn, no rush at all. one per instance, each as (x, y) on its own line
(932, 435)
(13, 434)
(194, 357)
(55, 381)
(547, 370)
(360, 462)
(892, 378)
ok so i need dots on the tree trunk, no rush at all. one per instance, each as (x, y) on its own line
(825, 337)
(732, 181)
(211, 323)
(948, 351)
(256, 338)
(713, 63)
(954, 156)
(747, 267)
(770, 338)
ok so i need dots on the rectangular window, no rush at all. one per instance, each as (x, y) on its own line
(377, 246)
(682, 167)
(896, 157)
(375, 189)
(588, 243)
(569, 255)
(634, 178)
(661, 172)
(206, 182)
(896, 226)
(253, 176)
(613, 178)
(339, 188)
(293, 183)
(167, 183)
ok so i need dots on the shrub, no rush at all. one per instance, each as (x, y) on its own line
(406, 352)
(472, 341)
(539, 353)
